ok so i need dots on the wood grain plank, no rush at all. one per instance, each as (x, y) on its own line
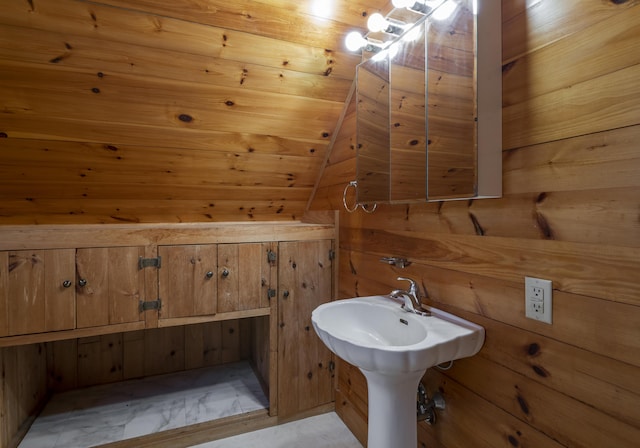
(96, 235)
(164, 103)
(205, 286)
(133, 354)
(60, 128)
(43, 47)
(607, 159)
(60, 300)
(92, 300)
(288, 360)
(587, 107)
(26, 292)
(574, 58)
(100, 360)
(278, 20)
(229, 278)
(120, 211)
(528, 26)
(4, 295)
(164, 350)
(161, 31)
(126, 285)
(176, 280)
(230, 341)
(250, 262)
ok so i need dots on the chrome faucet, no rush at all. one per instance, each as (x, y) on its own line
(411, 298)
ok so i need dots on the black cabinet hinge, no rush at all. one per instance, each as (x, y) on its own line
(150, 305)
(149, 262)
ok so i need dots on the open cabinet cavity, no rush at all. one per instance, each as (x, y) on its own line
(127, 386)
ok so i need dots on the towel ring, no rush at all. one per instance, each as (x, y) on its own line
(354, 184)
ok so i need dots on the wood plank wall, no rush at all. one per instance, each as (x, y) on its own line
(570, 213)
(23, 389)
(151, 111)
(122, 356)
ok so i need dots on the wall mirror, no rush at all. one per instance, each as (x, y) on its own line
(429, 123)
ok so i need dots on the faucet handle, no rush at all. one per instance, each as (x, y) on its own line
(413, 286)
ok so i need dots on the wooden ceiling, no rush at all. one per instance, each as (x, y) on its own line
(169, 111)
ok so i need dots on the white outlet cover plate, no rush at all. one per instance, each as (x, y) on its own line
(544, 313)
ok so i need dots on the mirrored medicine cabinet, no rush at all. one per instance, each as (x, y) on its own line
(429, 117)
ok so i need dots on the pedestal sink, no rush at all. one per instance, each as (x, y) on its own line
(393, 348)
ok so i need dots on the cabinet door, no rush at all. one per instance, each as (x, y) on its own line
(110, 286)
(39, 289)
(188, 280)
(305, 375)
(244, 276)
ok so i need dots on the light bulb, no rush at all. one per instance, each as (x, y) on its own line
(377, 23)
(354, 41)
(402, 3)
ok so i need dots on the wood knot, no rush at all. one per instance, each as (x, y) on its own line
(185, 118)
(523, 404)
(476, 225)
(507, 67)
(541, 371)
(533, 349)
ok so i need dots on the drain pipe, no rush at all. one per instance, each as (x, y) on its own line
(426, 409)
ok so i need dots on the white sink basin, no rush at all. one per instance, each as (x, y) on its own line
(376, 334)
(393, 348)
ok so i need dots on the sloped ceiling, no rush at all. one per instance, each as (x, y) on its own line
(169, 111)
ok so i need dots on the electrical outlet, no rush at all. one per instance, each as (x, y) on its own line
(538, 303)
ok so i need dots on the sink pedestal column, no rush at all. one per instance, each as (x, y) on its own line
(392, 409)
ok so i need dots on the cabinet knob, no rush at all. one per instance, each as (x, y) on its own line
(66, 283)
(285, 294)
(225, 273)
(82, 282)
(209, 274)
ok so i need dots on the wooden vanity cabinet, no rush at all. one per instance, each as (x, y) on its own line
(36, 288)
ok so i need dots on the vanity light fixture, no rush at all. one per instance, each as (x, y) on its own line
(436, 9)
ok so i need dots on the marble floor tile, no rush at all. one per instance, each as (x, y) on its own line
(93, 416)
